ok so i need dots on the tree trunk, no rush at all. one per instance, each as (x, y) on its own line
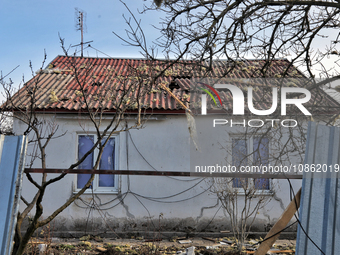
(19, 248)
(23, 241)
(17, 236)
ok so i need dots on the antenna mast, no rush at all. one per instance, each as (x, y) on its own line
(80, 26)
(81, 19)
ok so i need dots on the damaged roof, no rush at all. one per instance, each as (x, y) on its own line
(70, 84)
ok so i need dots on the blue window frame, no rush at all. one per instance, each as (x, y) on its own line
(101, 182)
(258, 149)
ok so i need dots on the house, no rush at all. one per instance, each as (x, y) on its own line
(73, 93)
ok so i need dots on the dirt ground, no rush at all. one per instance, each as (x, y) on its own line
(96, 245)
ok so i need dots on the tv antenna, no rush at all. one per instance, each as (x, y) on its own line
(80, 27)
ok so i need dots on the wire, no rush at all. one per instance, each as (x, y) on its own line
(145, 209)
(174, 195)
(169, 202)
(154, 199)
(80, 50)
(93, 205)
(277, 232)
(297, 218)
(87, 204)
(213, 217)
(194, 179)
(90, 46)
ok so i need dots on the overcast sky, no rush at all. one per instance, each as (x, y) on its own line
(28, 28)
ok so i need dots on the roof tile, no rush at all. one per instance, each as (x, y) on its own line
(103, 80)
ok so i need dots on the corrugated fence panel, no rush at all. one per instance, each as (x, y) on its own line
(319, 198)
(12, 161)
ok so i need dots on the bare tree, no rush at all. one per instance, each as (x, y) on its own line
(6, 118)
(241, 203)
(235, 31)
(202, 31)
(6, 124)
(125, 93)
(207, 30)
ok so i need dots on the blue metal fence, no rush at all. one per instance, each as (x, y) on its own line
(12, 161)
(320, 200)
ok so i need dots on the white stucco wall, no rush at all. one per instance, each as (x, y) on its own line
(163, 144)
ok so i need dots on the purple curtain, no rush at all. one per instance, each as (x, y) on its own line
(261, 156)
(239, 153)
(107, 162)
(85, 143)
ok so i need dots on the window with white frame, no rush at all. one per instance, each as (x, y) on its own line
(106, 183)
(251, 151)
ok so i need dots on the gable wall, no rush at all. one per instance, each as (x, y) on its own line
(165, 145)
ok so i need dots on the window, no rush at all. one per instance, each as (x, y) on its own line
(258, 150)
(102, 182)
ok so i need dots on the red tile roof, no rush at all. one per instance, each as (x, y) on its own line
(60, 86)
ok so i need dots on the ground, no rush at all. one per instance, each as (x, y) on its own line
(177, 245)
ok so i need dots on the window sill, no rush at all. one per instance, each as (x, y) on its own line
(259, 193)
(98, 192)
